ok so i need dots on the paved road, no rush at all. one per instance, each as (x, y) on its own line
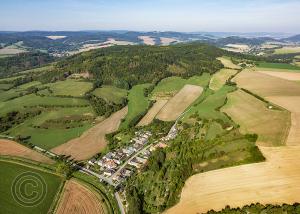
(117, 196)
(126, 162)
(108, 180)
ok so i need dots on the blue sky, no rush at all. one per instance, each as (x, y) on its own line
(146, 15)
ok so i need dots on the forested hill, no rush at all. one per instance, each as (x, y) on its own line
(125, 66)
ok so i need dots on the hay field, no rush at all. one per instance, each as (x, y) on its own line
(293, 76)
(78, 199)
(11, 148)
(167, 41)
(266, 85)
(220, 78)
(147, 40)
(93, 140)
(291, 103)
(287, 50)
(254, 116)
(179, 103)
(275, 181)
(153, 111)
(228, 63)
(11, 50)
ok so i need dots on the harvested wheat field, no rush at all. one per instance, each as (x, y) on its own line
(220, 78)
(153, 111)
(275, 181)
(293, 76)
(266, 85)
(167, 41)
(93, 140)
(77, 199)
(179, 103)
(254, 116)
(147, 40)
(228, 63)
(292, 104)
(11, 148)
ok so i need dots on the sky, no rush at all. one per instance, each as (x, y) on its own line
(150, 15)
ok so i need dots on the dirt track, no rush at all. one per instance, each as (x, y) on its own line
(275, 181)
(11, 148)
(153, 111)
(93, 140)
(77, 199)
(177, 104)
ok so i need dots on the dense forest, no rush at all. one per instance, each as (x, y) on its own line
(23, 61)
(130, 65)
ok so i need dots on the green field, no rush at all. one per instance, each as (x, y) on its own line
(220, 78)
(7, 95)
(52, 137)
(278, 66)
(137, 103)
(171, 85)
(287, 50)
(37, 70)
(28, 85)
(111, 93)
(206, 106)
(34, 100)
(70, 87)
(8, 202)
(5, 86)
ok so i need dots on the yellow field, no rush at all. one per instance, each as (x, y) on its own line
(179, 103)
(287, 50)
(254, 116)
(147, 40)
(77, 199)
(153, 111)
(275, 181)
(293, 76)
(228, 63)
(220, 78)
(167, 41)
(93, 140)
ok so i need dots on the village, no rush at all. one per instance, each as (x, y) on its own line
(117, 166)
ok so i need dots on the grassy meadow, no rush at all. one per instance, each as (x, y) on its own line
(111, 93)
(137, 103)
(278, 66)
(9, 172)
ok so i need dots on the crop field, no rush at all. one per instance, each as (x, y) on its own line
(254, 116)
(52, 136)
(43, 192)
(11, 50)
(266, 85)
(111, 93)
(287, 50)
(278, 66)
(208, 104)
(153, 111)
(93, 140)
(28, 85)
(228, 63)
(137, 103)
(276, 181)
(167, 41)
(168, 87)
(179, 103)
(11, 148)
(220, 78)
(77, 199)
(293, 76)
(34, 100)
(147, 40)
(5, 86)
(70, 87)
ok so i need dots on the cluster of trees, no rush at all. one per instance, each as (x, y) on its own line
(159, 185)
(16, 117)
(259, 208)
(125, 66)
(104, 108)
(66, 122)
(23, 61)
